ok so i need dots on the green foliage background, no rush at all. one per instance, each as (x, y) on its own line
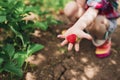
(15, 45)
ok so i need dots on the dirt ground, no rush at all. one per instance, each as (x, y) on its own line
(56, 63)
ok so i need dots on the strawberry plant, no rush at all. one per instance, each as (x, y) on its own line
(18, 19)
(16, 25)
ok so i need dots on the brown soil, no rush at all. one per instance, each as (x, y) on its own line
(56, 63)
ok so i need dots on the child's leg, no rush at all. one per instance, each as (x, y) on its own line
(99, 27)
(72, 10)
(101, 31)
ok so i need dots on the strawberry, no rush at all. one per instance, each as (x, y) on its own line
(71, 38)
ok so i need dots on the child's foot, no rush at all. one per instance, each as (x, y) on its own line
(103, 50)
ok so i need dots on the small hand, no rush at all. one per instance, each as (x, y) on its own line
(80, 34)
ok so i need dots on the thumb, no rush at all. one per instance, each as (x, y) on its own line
(87, 36)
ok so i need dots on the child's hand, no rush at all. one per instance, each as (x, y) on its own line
(75, 34)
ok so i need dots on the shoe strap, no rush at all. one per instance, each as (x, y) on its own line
(107, 35)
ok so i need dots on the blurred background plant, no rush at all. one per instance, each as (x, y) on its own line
(15, 45)
(18, 19)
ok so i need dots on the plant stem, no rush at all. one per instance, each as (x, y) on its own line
(11, 76)
(26, 64)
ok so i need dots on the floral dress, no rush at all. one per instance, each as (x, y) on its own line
(105, 7)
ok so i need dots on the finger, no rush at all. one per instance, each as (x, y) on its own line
(70, 46)
(77, 47)
(60, 36)
(64, 42)
(87, 36)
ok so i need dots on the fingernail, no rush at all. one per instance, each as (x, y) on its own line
(62, 44)
(77, 50)
(58, 36)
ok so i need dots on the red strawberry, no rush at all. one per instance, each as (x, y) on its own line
(71, 38)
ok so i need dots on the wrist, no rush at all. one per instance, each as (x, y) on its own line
(80, 26)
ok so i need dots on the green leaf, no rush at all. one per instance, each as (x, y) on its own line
(4, 56)
(1, 69)
(10, 67)
(9, 49)
(41, 25)
(53, 21)
(34, 48)
(19, 35)
(29, 9)
(20, 57)
(2, 19)
(28, 26)
(1, 61)
(10, 1)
